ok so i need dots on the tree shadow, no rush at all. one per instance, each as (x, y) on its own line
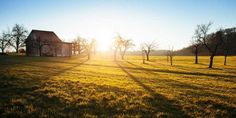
(159, 103)
(196, 92)
(21, 97)
(56, 71)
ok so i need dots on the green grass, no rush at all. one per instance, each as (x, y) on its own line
(101, 87)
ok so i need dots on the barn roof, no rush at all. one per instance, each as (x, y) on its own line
(45, 36)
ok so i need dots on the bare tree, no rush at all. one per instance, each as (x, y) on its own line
(77, 45)
(148, 47)
(87, 46)
(171, 55)
(210, 41)
(196, 45)
(4, 41)
(126, 44)
(228, 45)
(19, 34)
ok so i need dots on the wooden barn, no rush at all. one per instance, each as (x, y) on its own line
(46, 43)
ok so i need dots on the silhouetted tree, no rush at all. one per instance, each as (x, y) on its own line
(87, 46)
(210, 41)
(171, 55)
(77, 45)
(196, 45)
(19, 34)
(4, 41)
(229, 42)
(148, 47)
(125, 45)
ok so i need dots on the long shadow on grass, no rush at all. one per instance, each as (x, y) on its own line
(21, 97)
(168, 71)
(159, 103)
(43, 71)
(192, 91)
(186, 86)
(156, 70)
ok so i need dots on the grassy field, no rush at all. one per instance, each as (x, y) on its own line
(101, 87)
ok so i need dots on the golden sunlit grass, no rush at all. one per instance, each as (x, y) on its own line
(101, 87)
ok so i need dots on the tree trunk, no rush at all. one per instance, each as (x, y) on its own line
(17, 45)
(17, 48)
(225, 60)
(147, 56)
(171, 61)
(211, 60)
(2, 50)
(196, 55)
(123, 54)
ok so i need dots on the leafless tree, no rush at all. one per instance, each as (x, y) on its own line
(77, 45)
(87, 47)
(19, 34)
(4, 41)
(148, 47)
(171, 55)
(210, 41)
(196, 45)
(126, 44)
(228, 45)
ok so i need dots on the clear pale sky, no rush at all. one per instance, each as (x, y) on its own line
(169, 22)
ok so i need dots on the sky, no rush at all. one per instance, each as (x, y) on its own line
(168, 22)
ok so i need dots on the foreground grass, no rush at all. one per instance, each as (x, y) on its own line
(101, 87)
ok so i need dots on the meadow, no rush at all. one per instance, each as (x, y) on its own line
(102, 87)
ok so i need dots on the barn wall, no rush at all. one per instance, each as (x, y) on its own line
(31, 46)
(55, 49)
